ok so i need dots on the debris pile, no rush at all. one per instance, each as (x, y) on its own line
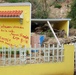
(67, 40)
(61, 34)
(46, 31)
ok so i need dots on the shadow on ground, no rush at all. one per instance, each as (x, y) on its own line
(75, 73)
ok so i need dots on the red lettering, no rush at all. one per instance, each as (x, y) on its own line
(2, 41)
(14, 37)
(5, 26)
(5, 39)
(26, 41)
(14, 34)
(11, 31)
(2, 30)
(22, 40)
(9, 44)
(20, 27)
(24, 36)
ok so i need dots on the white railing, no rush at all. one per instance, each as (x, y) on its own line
(23, 55)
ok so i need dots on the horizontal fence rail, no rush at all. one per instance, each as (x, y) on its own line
(23, 55)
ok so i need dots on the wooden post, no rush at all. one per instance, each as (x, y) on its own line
(53, 32)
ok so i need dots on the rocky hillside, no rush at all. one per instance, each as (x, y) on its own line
(51, 8)
(57, 8)
(60, 12)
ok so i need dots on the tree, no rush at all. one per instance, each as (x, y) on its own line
(41, 10)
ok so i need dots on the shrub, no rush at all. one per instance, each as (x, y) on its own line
(57, 6)
(14, 1)
(61, 0)
(72, 15)
(27, 52)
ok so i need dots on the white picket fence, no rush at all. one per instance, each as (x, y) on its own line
(23, 55)
(17, 56)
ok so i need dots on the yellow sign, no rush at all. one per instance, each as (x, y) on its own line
(15, 31)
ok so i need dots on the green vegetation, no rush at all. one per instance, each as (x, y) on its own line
(11, 1)
(57, 5)
(61, 0)
(27, 52)
(39, 8)
(72, 15)
(14, 1)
